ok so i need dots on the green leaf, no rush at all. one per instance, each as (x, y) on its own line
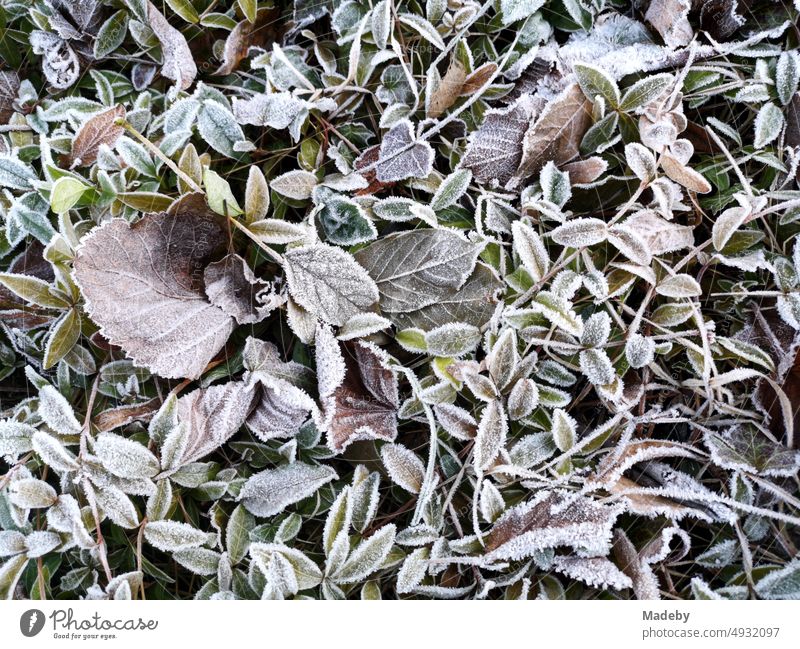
(595, 81)
(345, 223)
(185, 10)
(769, 123)
(451, 189)
(219, 195)
(111, 34)
(644, 91)
(145, 201)
(32, 289)
(66, 192)
(249, 9)
(600, 134)
(62, 338)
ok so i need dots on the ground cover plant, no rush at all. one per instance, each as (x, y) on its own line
(399, 299)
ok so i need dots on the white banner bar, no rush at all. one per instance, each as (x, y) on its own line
(389, 624)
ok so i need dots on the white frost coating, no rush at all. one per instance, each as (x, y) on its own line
(523, 399)
(277, 110)
(330, 362)
(273, 490)
(362, 325)
(117, 506)
(597, 367)
(596, 329)
(531, 250)
(395, 163)
(641, 161)
(404, 467)
(40, 543)
(580, 232)
(367, 557)
(124, 457)
(329, 283)
(413, 570)
(681, 285)
(56, 412)
(307, 573)
(491, 502)
(552, 519)
(53, 452)
(564, 430)
(781, 584)
(15, 438)
(11, 542)
(491, 436)
(597, 572)
(170, 536)
(456, 421)
(559, 311)
(640, 350)
(453, 339)
(31, 493)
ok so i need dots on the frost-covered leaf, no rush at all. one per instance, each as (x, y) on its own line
(491, 435)
(124, 457)
(329, 283)
(551, 519)
(556, 134)
(783, 583)
(367, 557)
(178, 64)
(495, 149)
(530, 249)
(639, 350)
(416, 269)
(597, 572)
(231, 285)
(171, 536)
(743, 447)
(670, 18)
(452, 340)
(273, 490)
(564, 430)
(157, 311)
(404, 467)
(681, 285)
(402, 155)
(768, 125)
(98, 130)
(580, 233)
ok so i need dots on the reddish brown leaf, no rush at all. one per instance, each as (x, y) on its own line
(365, 405)
(263, 32)
(97, 130)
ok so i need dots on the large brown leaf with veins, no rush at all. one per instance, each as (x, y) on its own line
(143, 284)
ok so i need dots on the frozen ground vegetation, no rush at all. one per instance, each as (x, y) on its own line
(399, 299)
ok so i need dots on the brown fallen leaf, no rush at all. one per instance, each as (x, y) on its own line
(670, 18)
(556, 134)
(179, 65)
(477, 79)
(95, 131)
(9, 84)
(124, 415)
(584, 172)
(684, 175)
(264, 31)
(552, 519)
(448, 90)
(231, 285)
(365, 405)
(143, 285)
